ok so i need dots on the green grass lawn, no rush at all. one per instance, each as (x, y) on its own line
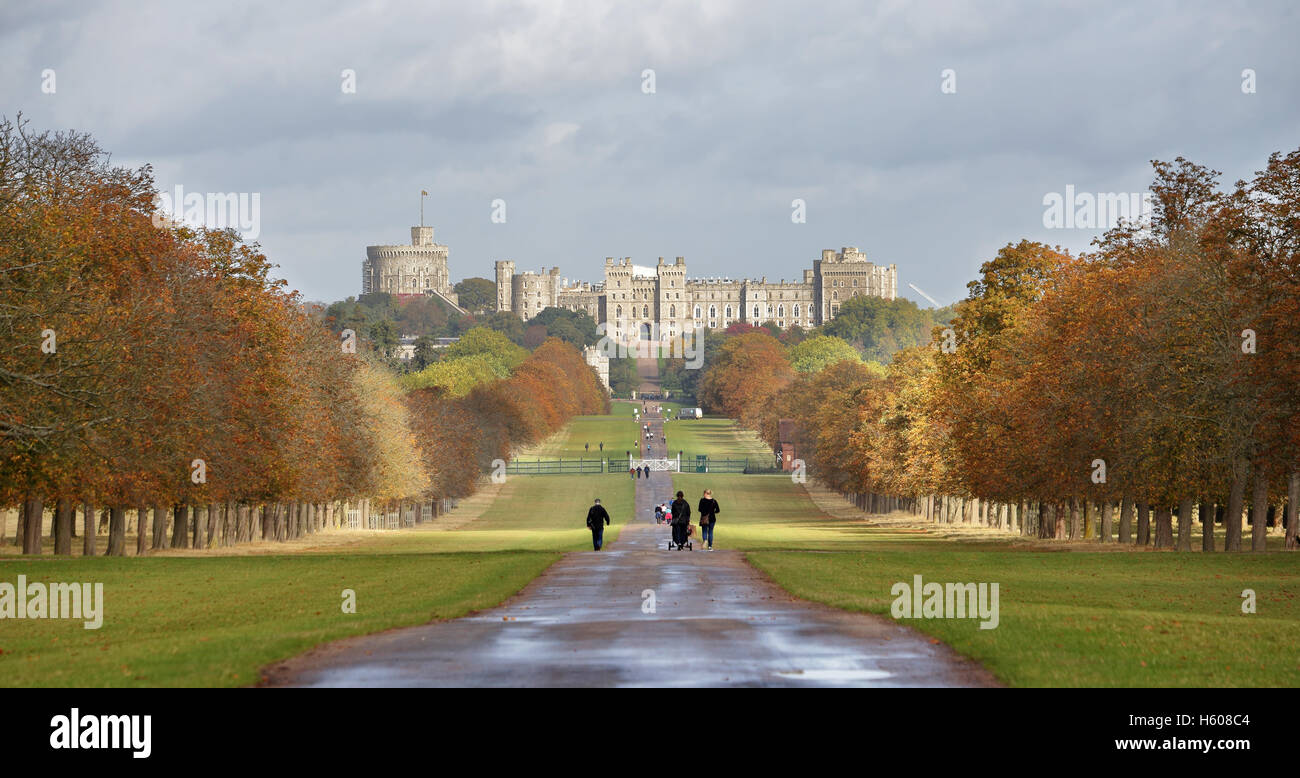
(216, 621)
(618, 432)
(1085, 619)
(715, 437)
(1067, 618)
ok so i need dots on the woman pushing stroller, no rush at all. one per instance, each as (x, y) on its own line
(681, 521)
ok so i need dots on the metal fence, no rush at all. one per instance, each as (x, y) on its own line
(729, 463)
(698, 464)
(556, 466)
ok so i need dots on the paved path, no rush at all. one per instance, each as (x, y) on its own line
(588, 621)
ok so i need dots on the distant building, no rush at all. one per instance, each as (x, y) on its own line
(420, 268)
(638, 302)
(599, 362)
(787, 432)
(406, 346)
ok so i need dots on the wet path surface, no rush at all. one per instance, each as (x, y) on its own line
(638, 614)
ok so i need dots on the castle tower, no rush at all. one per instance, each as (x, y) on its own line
(420, 268)
(505, 272)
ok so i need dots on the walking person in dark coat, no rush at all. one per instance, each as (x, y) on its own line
(681, 511)
(709, 511)
(597, 518)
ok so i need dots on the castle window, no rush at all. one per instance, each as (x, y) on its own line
(780, 312)
(619, 311)
(697, 311)
(645, 311)
(755, 311)
(727, 312)
(672, 311)
(796, 310)
(835, 295)
(769, 311)
(713, 312)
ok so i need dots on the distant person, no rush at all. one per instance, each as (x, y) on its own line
(631, 472)
(586, 447)
(681, 511)
(602, 445)
(709, 511)
(595, 514)
(647, 471)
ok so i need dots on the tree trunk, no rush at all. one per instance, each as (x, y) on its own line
(1292, 497)
(87, 530)
(1144, 524)
(159, 526)
(1089, 519)
(1107, 520)
(64, 516)
(1259, 516)
(180, 525)
(1232, 517)
(117, 531)
(141, 531)
(1207, 526)
(33, 523)
(1125, 521)
(1185, 524)
(1074, 518)
(1164, 527)
(202, 526)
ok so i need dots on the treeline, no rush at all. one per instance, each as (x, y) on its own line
(1130, 393)
(381, 320)
(156, 370)
(460, 437)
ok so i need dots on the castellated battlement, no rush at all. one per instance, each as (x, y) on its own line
(636, 300)
(420, 268)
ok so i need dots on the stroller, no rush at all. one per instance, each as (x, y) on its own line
(682, 537)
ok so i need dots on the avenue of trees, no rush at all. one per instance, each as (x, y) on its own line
(1129, 394)
(158, 373)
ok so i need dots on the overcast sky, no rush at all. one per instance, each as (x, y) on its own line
(755, 104)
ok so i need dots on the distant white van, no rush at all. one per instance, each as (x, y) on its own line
(690, 413)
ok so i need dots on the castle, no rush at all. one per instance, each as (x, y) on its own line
(640, 302)
(420, 268)
(662, 302)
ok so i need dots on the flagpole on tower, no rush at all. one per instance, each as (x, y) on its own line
(423, 194)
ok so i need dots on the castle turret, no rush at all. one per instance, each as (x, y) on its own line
(505, 271)
(420, 268)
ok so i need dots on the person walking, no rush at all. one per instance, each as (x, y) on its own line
(681, 511)
(709, 510)
(597, 518)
